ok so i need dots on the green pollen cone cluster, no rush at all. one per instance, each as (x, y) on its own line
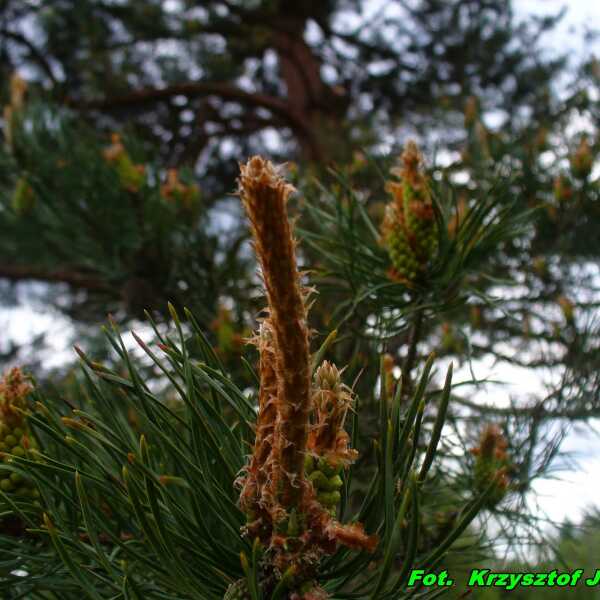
(491, 466)
(485, 472)
(14, 441)
(23, 199)
(404, 262)
(132, 176)
(178, 192)
(409, 229)
(563, 189)
(582, 160)
(326, 479)
(15, 438)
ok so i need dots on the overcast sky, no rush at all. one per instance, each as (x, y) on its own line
(577, 489)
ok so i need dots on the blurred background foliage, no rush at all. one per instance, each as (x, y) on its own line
(122, 138)
(574, 546)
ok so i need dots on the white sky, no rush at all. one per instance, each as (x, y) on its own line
(577, 489)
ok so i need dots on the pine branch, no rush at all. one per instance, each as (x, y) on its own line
(34, 52)
(225, 91)
(74, 278)
(409, 363)
(537, 411)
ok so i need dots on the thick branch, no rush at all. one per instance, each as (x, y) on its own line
(223, 90)
(570, 414)
(70, 277)
(33, 51)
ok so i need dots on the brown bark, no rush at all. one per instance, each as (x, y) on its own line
(316, 104)
(71, 277)
(309, 103)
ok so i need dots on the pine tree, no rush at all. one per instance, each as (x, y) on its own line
(115, 180)
(166, 504)
(90, 61)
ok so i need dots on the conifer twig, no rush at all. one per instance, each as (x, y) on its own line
(264, 194)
